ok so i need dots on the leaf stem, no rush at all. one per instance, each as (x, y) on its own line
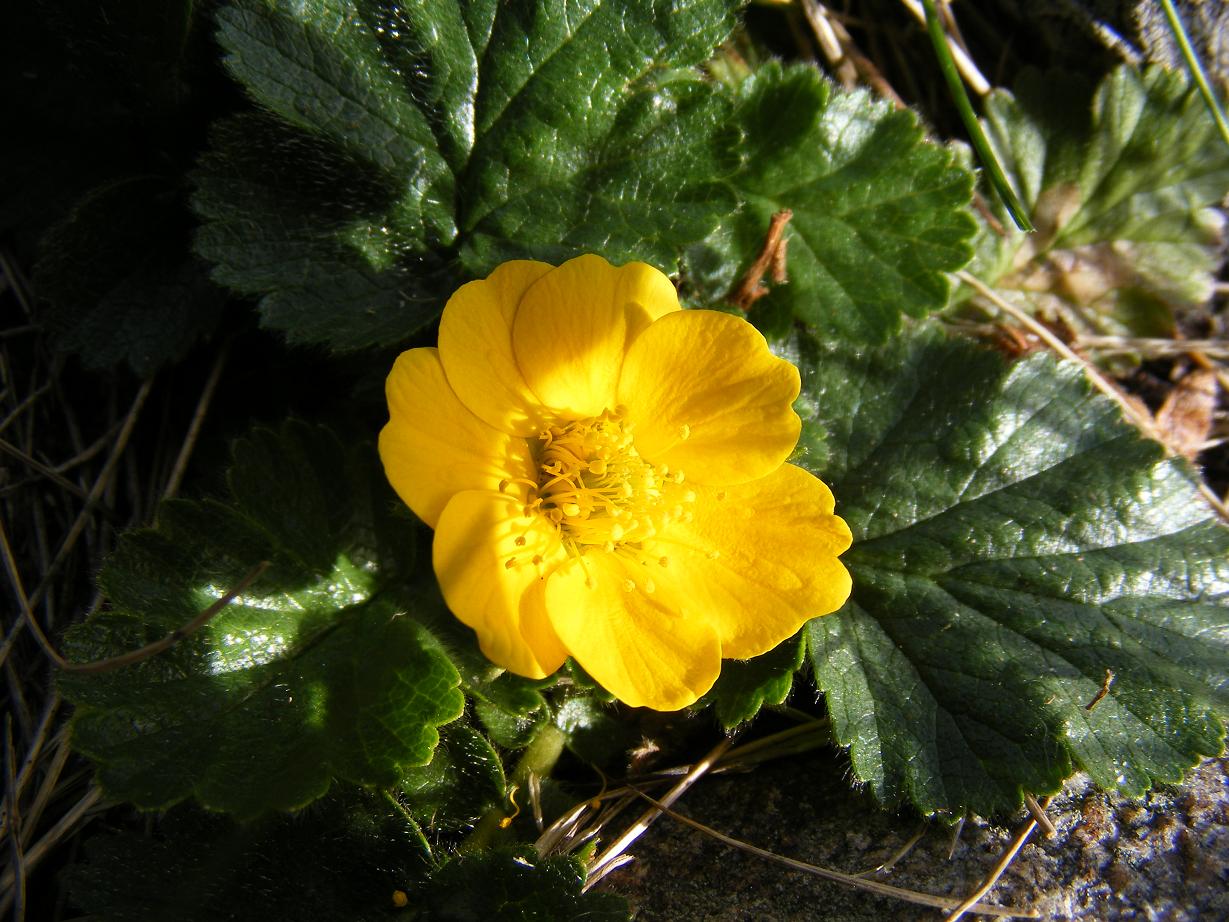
(976, 136)
(538, 759)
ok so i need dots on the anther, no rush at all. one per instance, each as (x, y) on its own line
(504, 484)
(664, 561)
(629, 585)
(720, 495)
(571, 509)
(537, 560)
(597, 466)
(684, 432)
(520, 541)
(509, 563)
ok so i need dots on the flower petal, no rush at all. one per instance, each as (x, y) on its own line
(478, 535)
(640, 646)
(706, 396)
(476, 348)
(759, 559)
(574, 325)
(433, 447)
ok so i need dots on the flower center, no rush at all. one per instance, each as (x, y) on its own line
(593, 484)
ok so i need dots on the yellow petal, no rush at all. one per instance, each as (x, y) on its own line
(639, 645)
(706, 396)
(490, 560)
(759, 559)
(476, 348)
(574, 325)
(433, 447)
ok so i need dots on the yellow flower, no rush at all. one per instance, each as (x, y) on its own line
(606, 477)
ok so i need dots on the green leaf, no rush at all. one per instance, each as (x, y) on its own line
(746, 686)
(1014, 539)
(403, 136)
(514, 885)
(313, 673)
(464, 779)
(120, 280)
(1123, 189)
(880, 214)
(595, 733)
(200, 867)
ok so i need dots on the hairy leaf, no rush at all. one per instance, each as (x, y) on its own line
(879, 214)
(745, 687)
(311, 674)
(1014, 540)
(401, 137)
(342, 859)
(120, 280)
(516, 885)
(1123, 188)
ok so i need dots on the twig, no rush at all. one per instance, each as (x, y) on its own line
(50, 473)
(751, 287)
(1154, 346)
(198, 418)
(1038, 813)
(970, 903)
(910, 843)
(46, 789)
(133, 656)
(39, 851)
(603, 864)
(13, 817)
(1142, 421)
(852, 880)
(840, 49)
(100, 485)
(1102, 691)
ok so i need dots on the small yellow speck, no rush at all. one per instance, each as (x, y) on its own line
(684, 432)
(629, 585)
(713, 555)
(400, 899)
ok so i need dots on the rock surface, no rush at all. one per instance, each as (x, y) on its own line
(1163, 857)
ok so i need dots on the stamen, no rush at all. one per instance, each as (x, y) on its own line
(509, 563)
(597, 491)
(519, 541)
(664, 561)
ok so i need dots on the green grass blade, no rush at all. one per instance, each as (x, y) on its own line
(1195, 67)
(969, 117)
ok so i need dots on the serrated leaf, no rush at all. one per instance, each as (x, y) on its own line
(1014, 539)
(879, 214)
(200, 867)
(594, 732)
(463, 780)
(120, 281)
(744, 687)
(1123, 188)
(407, 134)
(311, 674)
(514, 885)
